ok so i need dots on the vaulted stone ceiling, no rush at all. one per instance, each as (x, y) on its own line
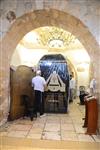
(45, 37)
(49, 40)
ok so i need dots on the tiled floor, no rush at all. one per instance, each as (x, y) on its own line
(52, 126)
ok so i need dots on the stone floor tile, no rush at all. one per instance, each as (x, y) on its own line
(66, 135)
(51, 136)
(79, 128)
(25, 121)
(96, 138)
(5, 127)
(56, 121)
(63, 115)
(40, 120)
(17, 133)
(36, 130)
(66, 120)
(20, 127)
(67, 127)
(78, 120)
(53, 117)
(38, 124)
(83, 137)
(52, 127)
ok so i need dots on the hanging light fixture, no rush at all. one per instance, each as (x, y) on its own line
(55, 37)
(49, 37)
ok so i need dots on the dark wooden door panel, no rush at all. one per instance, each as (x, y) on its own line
(20, 83)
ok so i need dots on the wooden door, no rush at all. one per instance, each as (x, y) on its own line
(20, 85)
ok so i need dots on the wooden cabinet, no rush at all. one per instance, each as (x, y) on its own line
(91, 115)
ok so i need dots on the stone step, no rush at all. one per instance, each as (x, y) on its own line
(8, 143)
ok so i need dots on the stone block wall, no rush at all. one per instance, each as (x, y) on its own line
(88, 11)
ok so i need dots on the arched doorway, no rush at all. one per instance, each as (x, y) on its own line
(34, 20)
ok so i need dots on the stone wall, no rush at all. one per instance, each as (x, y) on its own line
(88, 11)
(14, 28)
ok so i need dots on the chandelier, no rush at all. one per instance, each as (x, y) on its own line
(54, 37)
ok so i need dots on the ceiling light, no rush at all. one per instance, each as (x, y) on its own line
(54, 37)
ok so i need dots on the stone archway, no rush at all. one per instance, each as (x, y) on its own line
(30, 21)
